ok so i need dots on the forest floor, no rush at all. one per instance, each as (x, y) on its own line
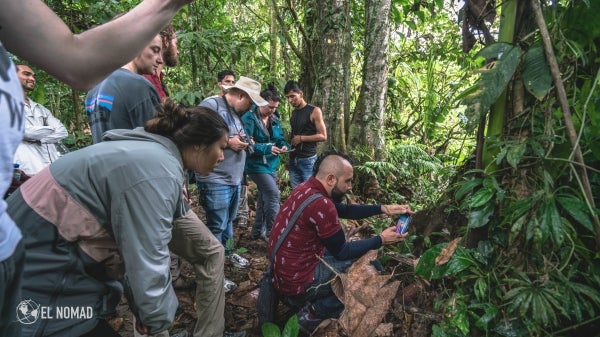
(405, 312)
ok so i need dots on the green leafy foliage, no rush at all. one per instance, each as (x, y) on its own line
(479, 196)
(536, 72)
(494, 78)
(400, 175)
(291, 329)
(535, 270)
(77, 140)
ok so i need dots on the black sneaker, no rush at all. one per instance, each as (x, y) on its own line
(307, 320)
(235, 334)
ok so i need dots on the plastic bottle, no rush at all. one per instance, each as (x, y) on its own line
(61, 148)
(16, 172)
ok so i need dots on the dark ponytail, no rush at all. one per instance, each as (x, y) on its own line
(187, 125)
(270, 94)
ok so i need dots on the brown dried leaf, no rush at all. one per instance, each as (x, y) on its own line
(244, 295)
(366, 295)
(116, 323)
(447, 252)
(384, 330)
(327, 328)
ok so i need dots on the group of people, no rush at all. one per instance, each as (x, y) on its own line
(101, 220)
(108, 219)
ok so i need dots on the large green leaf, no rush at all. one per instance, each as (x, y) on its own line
(536, 72)
(577, 209)
(466, 186)
(426, 267)
(270, 330)
(481, 216)
(460, 260)
(292, 328)
(493, 80)
(550, 223)
(481, 197)
(515, 153)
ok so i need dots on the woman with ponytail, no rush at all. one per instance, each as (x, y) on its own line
(103, 218)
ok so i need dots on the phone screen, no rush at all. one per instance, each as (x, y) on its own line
(402, 224)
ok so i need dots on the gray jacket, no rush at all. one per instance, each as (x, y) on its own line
(100, 215)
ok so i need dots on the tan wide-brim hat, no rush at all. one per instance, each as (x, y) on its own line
(249, 86)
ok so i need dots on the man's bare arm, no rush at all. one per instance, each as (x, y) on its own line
(32, 31)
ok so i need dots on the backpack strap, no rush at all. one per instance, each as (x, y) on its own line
(291, 223)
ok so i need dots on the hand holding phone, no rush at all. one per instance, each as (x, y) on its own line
(402, 223)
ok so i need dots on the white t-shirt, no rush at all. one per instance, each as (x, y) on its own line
(11, 131)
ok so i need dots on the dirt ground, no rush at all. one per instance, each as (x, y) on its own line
(409, 313)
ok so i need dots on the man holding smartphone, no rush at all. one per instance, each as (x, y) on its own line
(302, 267)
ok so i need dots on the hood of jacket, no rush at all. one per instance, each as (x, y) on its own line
(140, 134)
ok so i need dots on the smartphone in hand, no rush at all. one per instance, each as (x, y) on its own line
(402, 223)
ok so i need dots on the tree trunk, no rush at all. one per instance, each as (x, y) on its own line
(273, 43)
(332, 42)
(367, 125)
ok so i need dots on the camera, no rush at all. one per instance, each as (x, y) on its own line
(250, 147)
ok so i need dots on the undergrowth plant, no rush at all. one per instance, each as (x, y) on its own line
(534, 271)
(291, 328)
(408, 175)
(528, 263)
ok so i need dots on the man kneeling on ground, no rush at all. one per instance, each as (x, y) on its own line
(299, 276)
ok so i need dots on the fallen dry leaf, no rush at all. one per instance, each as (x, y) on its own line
(447, 252)
(116, 323)
(366, 295)
(327, 328)
(244, 296)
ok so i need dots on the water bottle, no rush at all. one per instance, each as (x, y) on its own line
(61, 148)
(16, 172)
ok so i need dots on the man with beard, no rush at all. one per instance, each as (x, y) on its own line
(170, 57)
(302, 267)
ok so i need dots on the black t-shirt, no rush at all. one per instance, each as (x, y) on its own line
(302, 125)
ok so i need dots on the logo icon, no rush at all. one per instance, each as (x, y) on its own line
(28, 312)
